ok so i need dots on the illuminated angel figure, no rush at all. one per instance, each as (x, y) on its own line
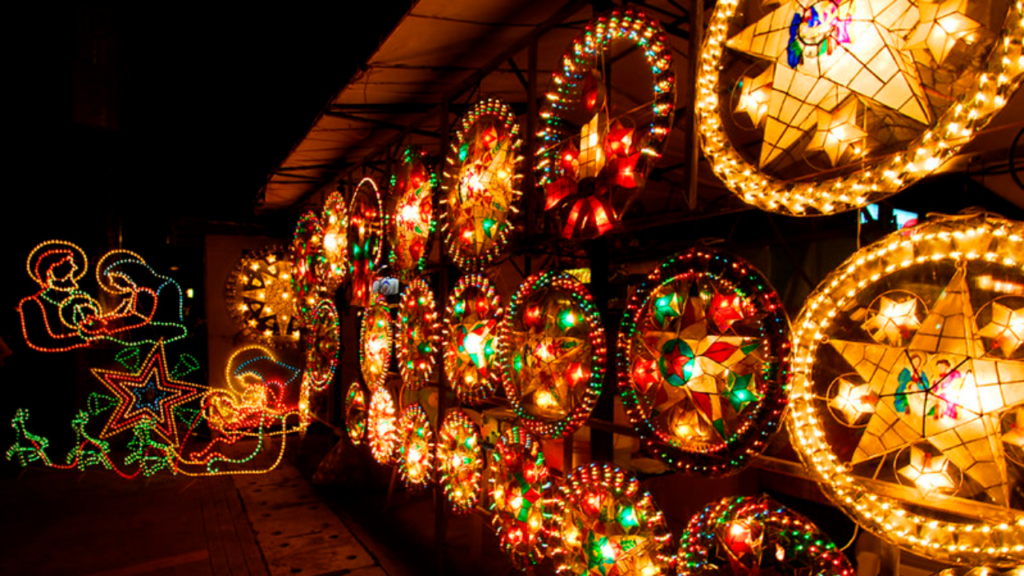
(606, 524)
(134, 297)
(410, 214)
(701, 361)
(552, 354)
(592, 173)
(481, 180)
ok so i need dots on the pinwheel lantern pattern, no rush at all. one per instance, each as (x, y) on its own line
(553, 354)
(757, 535)
(592, 172)
(838, 103)
(481, 184)
(355, 413)
(375, 343)
(460, 461)
(703, 361)
(261, 299)
(364, 236)
(382, 426)
(605, 524)
(521, 496)
(471, 350)
(322, 345)
(418, 334)
(908, 371)
(308, 264)
(334, 220)
(410, 214)
(416, 455)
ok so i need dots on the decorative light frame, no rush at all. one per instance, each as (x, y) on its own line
(452, 185)
(460, 461)
(633, 512)
(875, 180)
(590, 389)
(473, 294)
(418, 334)
(980, 240)
(738, 288)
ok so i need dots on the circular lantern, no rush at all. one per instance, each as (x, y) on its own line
(308, 263)
(460, 460)
(322, 345)
(834, 106)
(418, 333)
(520, 496)
(260, 298)
(605, 523)
(592, 176)
(470, 353)
(365, 223)
(410, 214)
(375, 343)
(416, 457)
(703, 361)
(756, 535)
(553, 354)
(334, 220)
(382, 426)
(355, 413)
(481, 183)
(908, 388)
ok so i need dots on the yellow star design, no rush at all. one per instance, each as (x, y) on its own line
(929, 473)
(894, 321)
(940, 389)
(852, 400)
(1006, 328)
(837, 131)
(753, 101)
(871, 64)
(275, 293)
(940, 26)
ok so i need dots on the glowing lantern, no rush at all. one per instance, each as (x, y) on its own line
(418, 334)
(260, 297)
(460, 461)
(363, 238)
(520, 496)
(410, 214)
(470, 351)
(375, 342)
(355, 413)
(415, 457)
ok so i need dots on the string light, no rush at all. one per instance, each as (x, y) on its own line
(355, 413)
(409, 219)
(72, 318)
(753, 535)
(552, 353)
(703, 359)
(365, 228)
(471, 327)
(605, 523)
(942, 389)
(375, 342)
(590, 176)
(416, 451)
(418, 334)
(460, 461)
(334, 220)
(481, 183)
(520, 497)
(876, 97)
(260, 297)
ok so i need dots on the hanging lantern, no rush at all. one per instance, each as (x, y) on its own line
(416, 456)
(418, 334)
(482, 184)
(308, 264)
(703, 361)
(460, 461)
(520, 497)
(471, 350)
(365, 227)
(322, 345)
(552, 354)
(908, 388)
(334, 220)
(382, 426)
(410, 213)
(592, 176)
(837, 104)
(260, 297)
(355, 413)
(375, 343)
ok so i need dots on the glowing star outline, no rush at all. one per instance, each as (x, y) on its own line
(837, 131)
(940, 26)
(1006, 328)
(894, 321)
(129, 387)
(956, 408)
(852, 400)
(928, 473)
(872, 65)
(755, 92)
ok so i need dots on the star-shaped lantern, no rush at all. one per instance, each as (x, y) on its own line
(520, 496)
(699, 358)
(363, 238)
(470, 353)
(417, 334)
(410, 214)
(1006, 329)
(150, 393)
(261, 299)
